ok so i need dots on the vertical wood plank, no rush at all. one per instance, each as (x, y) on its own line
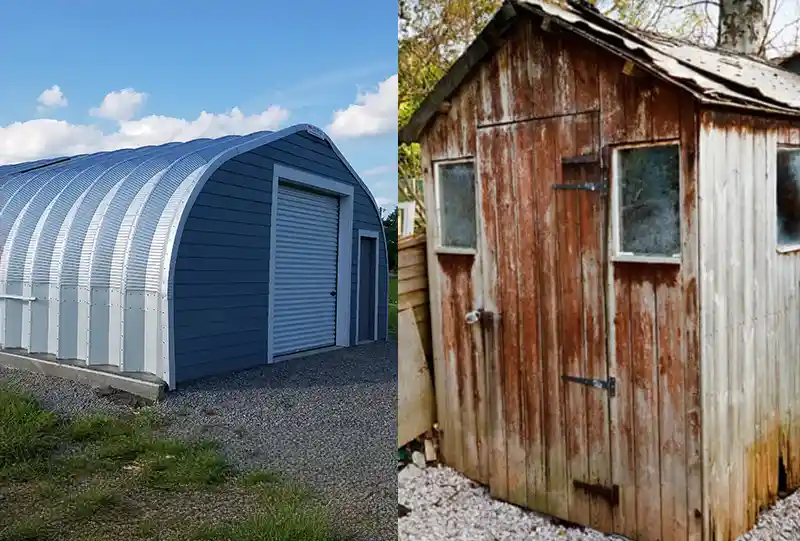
(708, 373)
(443, 411)
(773, 320)
(665, 115)
(452, 351)
(540, 68)
(619, 306)
(586, 66)
(748, 356)
(721, 480)
(508, 268)
(521, 92)
(760, 361)
(558, 485)
(570, 322)
(690, 239)
(735, 322)
(498, 461)
(459, 269)
(563, 77)
(645, 398)
(489, 108)
(671, 414)
(592, 212)
(622, 410)
(530, 187)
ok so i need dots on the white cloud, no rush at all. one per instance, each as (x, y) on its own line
(386, 203)
(373, 113)
(44, 138)
(52, 97)
(379, 170)
(120, 105)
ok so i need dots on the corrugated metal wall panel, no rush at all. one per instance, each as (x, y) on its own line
(307, 237)
(750, 316)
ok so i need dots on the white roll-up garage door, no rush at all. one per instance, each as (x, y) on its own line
(306, 255)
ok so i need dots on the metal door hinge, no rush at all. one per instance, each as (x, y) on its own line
(610, 494)
(590, 187)
(609, 384)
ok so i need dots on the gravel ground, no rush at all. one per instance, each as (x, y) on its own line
(447, 506)
(327, 421)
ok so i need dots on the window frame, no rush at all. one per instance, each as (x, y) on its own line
(795, 246)
(405, 225)
(439, 247)
(617, 255)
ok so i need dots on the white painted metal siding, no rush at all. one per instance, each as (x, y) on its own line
(306, 255)
(750, 319)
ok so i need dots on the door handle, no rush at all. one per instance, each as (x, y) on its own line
(480, 315)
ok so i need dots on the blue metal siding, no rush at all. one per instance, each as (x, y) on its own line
(221, 278)
(221, 274)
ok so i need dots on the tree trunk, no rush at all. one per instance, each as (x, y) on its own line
(742, 26)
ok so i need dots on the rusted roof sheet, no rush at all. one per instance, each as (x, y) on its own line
(714, 77)
(717, 74)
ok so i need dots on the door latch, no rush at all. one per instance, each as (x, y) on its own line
(480, 315)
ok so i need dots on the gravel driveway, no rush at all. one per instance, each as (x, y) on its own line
(327, 420)
(445, 505)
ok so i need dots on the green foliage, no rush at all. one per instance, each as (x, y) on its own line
(91, 477)
(259, 477)
(433, 33)
(393, 307)
(390, 228)
(27, 432)
(94, 500)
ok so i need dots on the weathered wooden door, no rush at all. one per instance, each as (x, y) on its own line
(544, 243)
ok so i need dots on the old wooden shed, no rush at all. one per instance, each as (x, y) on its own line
(614, 267)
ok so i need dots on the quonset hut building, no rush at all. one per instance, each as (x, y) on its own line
(184, 260)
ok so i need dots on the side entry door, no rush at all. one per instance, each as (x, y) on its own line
(544, 214)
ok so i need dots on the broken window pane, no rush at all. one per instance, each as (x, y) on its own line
(649, 199)
(788, 189)
(457, 205)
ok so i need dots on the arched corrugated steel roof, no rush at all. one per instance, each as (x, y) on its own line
(93, 236)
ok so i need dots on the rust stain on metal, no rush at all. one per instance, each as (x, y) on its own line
(690, 297)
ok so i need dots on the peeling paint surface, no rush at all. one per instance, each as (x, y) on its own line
(546, 110)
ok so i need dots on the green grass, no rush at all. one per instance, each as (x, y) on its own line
(104, 477)
(393, 307)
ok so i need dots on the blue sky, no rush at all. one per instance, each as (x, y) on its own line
(86, 75)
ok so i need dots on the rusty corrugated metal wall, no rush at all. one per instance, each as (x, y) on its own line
(751, 322)
(507, 418)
